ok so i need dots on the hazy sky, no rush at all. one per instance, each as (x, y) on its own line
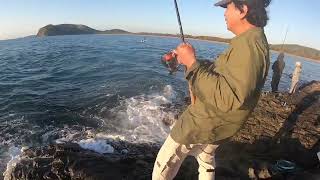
(199, 17)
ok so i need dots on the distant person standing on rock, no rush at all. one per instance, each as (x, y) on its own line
(277, 68)
(295, 78)
(225, 92)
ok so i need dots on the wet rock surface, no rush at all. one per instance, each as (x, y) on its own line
(282, 127)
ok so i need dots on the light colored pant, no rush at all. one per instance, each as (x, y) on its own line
(295, 79)
(172, 154)
(294, 86)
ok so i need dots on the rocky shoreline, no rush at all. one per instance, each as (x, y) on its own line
(282, 127)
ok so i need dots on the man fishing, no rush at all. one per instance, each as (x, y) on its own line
(277, 68)
(225, 92)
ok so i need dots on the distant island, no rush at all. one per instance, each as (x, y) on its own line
(75, 29)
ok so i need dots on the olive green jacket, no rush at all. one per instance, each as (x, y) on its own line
(226, 91)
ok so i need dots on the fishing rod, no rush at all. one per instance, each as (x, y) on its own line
(179, 20)
(169, 60)
(285, 37)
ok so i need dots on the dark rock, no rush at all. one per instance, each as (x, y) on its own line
(282, 126)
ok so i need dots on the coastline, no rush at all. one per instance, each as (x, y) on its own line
(220, 42)
(296, 56)
(211, 41)
(192, 38)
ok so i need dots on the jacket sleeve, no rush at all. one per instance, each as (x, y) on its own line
(227, 86)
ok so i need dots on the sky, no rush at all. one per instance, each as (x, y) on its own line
(20, 18)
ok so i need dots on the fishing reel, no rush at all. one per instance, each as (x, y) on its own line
(170, 61)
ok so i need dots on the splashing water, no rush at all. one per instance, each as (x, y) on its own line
(142, 116)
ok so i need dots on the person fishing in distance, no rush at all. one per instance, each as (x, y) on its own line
(278, 67)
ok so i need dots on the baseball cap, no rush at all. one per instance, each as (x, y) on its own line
(224, 3)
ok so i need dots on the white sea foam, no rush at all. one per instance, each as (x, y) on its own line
(98, 145)
(142, 116)
(14, 153)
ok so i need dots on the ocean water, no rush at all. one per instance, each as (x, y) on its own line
(73, 88)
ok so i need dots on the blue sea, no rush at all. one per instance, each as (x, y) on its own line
(73, 88)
